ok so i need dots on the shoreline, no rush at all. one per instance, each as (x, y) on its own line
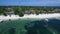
(41, 16)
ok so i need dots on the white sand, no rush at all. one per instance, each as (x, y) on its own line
(55, 15)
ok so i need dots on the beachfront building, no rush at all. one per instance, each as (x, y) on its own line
(33, 11)
(10, 13)
(56, 11)
(27, 12)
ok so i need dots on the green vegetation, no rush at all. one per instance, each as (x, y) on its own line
(36, 8)
(18, 9)
(4, 14)
(21, 14)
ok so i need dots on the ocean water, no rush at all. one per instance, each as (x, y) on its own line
(30, 26)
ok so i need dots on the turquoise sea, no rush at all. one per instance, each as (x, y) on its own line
(30, 26)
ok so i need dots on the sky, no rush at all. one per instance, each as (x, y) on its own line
(29, 2)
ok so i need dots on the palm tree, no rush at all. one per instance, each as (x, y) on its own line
(3, 10)
(16, 10)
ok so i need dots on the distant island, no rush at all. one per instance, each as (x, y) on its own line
(21, 10)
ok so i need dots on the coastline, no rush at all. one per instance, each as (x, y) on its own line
(41, 16)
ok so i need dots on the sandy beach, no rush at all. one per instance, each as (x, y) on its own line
(55, 15)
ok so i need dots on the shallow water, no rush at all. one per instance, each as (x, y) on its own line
(30, 26)
(17, 24)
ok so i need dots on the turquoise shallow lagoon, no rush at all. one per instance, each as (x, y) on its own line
(30, 26)
(17, 24)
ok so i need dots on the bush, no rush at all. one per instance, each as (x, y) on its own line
(21, 14)
(4, 14)
(37, 13)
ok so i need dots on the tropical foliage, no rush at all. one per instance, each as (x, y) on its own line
(18, 9)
